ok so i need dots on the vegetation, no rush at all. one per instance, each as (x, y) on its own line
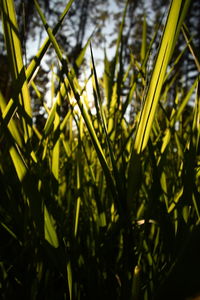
(99, 204)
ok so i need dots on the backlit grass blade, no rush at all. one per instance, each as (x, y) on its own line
(144, 40)
(196, 205)
(56, 125)
(172, 119)
(19, 163)
(112, 113)
(136, 283)
(169, 38)
(50, 232)
(81, 56)
(78, 201)
(196, 123)
(55, 159)
(191, 46)
(185, 100)
(12, 124)
(13, 45)
(50, 120)
(108, 77)
(175, 201)
(70, 279)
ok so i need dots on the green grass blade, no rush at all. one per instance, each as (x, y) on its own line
(169, 38)
(191, 46)
(12, 126)
(70, 279)
(50, 120)
(56, 131)
(55, 159)
(13, 45)
(144, 40)
(50, 231)
(78, 201)
(185, 100)
(196, 125)
(81, 56)
(18, 162)
(175, 201)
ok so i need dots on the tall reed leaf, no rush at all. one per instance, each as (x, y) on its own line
(169, 38)
(144, 40)
(49, 227)
(12, 124)
(191, 46)
(13, 45)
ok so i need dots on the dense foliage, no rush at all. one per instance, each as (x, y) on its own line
(102, 200)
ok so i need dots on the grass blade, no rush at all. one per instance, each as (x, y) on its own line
(50, 232)
(13, 45)
(169, 38)
(191, 46)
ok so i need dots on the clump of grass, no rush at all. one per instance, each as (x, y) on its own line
(94, 205)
